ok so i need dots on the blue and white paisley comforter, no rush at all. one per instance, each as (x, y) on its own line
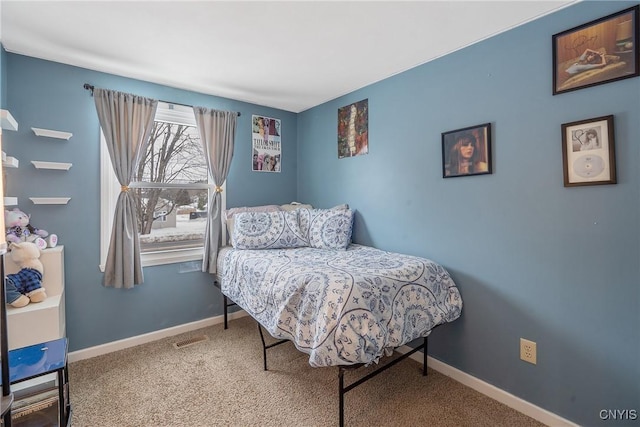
(340, 307)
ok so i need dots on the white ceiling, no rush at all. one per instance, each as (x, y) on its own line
(291, 55)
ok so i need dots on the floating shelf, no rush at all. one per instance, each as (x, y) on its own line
(52, 133)
(10, 162)
(10, 201)
(50, 200)
(51, 165)
(7, 121)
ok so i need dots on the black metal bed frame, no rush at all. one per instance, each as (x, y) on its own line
(342, 389)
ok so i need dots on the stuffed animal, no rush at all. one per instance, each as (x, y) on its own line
(25, 286)
(20, 230)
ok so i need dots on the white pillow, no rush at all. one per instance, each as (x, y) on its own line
(294, 205)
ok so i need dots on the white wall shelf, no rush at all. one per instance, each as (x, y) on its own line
(10, 162)
(52, 133)
(7, 121)
(50, 200)
(51, 165)
(10, 201)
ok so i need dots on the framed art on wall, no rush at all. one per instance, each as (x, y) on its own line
(353, 129)
(467, 151)
(588, 152)
(598, 52)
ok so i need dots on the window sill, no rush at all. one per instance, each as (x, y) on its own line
(150, 259)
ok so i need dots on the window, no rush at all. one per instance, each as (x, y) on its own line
(171, 190)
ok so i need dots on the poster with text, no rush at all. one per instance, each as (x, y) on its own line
(267, 151)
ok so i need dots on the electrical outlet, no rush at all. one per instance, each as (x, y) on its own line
(528, 351)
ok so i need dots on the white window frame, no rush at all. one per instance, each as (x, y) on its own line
(110, 190)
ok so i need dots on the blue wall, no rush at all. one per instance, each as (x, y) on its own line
(50, 95)
(533, 259)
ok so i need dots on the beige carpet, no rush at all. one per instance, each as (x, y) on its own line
(221, 382)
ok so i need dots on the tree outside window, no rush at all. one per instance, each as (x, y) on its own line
(171, 190)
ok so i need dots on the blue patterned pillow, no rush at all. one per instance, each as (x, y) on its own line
(326, 228)
(268, 230)
(229, 213)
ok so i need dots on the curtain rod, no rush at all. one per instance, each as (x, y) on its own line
(90, 88)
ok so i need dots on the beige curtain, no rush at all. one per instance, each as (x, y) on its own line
(126, 121)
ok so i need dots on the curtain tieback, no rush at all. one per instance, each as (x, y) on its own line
(218, 189)
(124, 188)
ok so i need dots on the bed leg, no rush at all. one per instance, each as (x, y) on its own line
(264, 347)
(424, 361)
(341, 395)
(224, 303)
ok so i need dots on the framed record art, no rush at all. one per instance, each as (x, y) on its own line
(588, 152)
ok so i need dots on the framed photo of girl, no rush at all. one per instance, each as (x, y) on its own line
(588, 152)
(598, 52)
(467, 151)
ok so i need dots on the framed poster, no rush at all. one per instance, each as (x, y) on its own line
(598, 52)
(467, 151)
(588, 152)
(267, 150)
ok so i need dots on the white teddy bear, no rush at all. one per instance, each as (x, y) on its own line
(25, 286)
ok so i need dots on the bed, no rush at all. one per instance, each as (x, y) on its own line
(347, 305)
(340, 307)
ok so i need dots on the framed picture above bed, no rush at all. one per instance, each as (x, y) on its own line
(598, 52)
(467, 151)
(588, 152)
(353, 129)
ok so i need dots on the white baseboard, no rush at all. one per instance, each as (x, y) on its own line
(152, 336)
(520, 405)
